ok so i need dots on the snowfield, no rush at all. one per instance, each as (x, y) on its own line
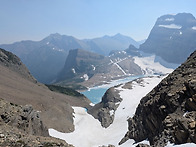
(89, 132)
(150, 66)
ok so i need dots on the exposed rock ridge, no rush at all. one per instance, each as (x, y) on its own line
(168, 112)
(14, 63)
(22, 126)
(105, 110)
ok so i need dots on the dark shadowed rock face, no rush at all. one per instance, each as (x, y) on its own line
(173, 37)
(168, 112)
(12, 62)
(22, 126)
(105, 110)
(22, 117)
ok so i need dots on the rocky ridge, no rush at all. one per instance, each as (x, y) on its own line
(11, 61)
(168, 112)
(23, 126)
(105, 110)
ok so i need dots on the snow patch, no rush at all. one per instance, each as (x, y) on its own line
(91, 104)
(171, 26)
(182, 145)
(120, 69)
(93, 67)
(180, 33)
(194, 28)
(149, 66)
(73, 70)
(85, 76)
(111, 112)
(169, 19)
(47, 42)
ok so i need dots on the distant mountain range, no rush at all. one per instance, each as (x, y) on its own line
(173, 37)
(46, 58)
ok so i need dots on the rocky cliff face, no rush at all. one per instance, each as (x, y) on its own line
(105, 110)
(168, 112)
(23, 126)
(172, 37)
(12, 62)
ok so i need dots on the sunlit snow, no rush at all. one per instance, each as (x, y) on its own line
(89, 132)
(194, 28)
(85, 77)
(171, 26)
(149, 66)
(169, 19)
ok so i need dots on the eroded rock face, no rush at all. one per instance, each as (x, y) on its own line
(24, 118)
(105, 110)
(168, 113)
(22, 126)
(12, 62)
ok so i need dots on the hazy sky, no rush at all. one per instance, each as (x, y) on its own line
(36, 19)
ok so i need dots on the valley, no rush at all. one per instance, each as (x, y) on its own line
(109, 91)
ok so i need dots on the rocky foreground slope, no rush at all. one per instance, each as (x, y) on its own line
(23, 126)
(168, 112)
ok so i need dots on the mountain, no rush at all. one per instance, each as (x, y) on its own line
(90, 69)
(108, 43)
(168, 112)
(19, 87)
(173, 37)
(46, 58)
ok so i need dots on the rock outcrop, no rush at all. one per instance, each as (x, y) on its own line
(168, 112)
(23, 126)
(105, 110)
(12, 62)
(22, 117)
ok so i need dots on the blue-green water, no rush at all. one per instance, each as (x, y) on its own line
(95, 94)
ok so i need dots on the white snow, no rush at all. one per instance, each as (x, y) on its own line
(182, 145)
(194, 28)
(85, 76)
(93, 67)
(169, 19)
(111, 112)
(47, 42)
(91, 104)
(149, 66)
(180, 33)
(89, 132)
(120, 69)
(73, 70)
(171, 26)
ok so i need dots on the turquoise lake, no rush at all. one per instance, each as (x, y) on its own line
(95, 94)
